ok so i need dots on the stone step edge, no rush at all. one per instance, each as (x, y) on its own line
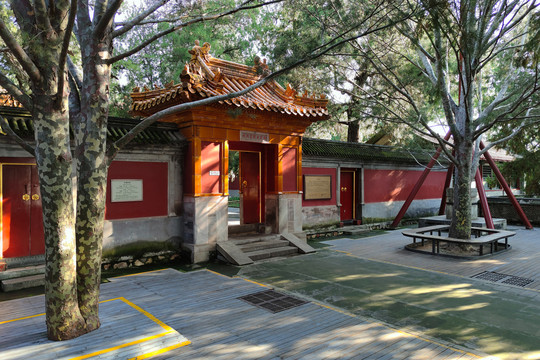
(265, 254)
(22, 283)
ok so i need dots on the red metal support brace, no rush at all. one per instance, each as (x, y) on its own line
(506, 188)
(446, 186)
(418, 185)
(483, 200)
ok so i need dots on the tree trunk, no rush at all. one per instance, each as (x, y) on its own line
(352, 131)
(460, 227)
(92, 166)
(54, 163)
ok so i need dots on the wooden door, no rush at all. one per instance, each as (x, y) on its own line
(250, 187)
(347, 195)
(22, 221)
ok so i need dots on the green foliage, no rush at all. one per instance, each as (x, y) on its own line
(164, 60)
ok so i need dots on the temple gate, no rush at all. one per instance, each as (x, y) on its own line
(265, 126)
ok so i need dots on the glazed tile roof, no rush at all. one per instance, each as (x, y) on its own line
(365, 152)
(8, 100)
(206, 76)
(156, 134)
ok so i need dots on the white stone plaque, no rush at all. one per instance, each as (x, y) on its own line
(252, 136)
(214, 173)
(124, 190)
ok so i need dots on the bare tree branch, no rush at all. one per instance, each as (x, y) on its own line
(42, 18)
(63, 53)
(22, 57)
(75, 72)
(138, 19)
(21, 9)
(106, 19)
(150, 40)
(15, 91)
(5, 126)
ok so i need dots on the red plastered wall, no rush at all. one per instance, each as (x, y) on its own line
(395, 185)
(188, 170)
(210, 162)
(321, 171)
(155, 189)
(289, 169)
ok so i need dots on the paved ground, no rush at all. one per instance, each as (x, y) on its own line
(368, 298)
(204, 307)
(424, 294)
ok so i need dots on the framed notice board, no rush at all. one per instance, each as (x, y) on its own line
(317, 187)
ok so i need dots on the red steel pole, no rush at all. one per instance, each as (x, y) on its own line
(483, 200)
(418, 185)
(506, 188)
(446, 186)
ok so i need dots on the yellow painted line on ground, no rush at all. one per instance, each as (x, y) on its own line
(140, 273)
(215, 272)
(23, 318)
(148, 315)
(161, 351)
(167, 328)
(104, 351)
(254, 282)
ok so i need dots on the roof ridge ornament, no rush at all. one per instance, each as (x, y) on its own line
(289, 91)
(260, 67)
(200, 52)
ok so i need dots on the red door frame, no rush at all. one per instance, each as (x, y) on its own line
(250, 186)
(20, 211)
(347, 195)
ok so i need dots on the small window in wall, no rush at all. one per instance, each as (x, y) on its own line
(289, 169)
(137, 189)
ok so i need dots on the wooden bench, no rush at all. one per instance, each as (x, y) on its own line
(480, 238)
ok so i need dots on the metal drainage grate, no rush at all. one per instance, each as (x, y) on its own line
(517, 281)
(503, 278)
(272, 301)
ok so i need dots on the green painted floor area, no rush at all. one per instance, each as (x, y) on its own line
(498, 320)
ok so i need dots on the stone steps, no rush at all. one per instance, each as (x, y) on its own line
(272, 252)
(22, 282)
(244, 249)
(22, 278)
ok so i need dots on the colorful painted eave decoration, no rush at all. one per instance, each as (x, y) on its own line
(205, 76)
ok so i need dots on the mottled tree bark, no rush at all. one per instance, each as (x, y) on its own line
(54, 163)
(460, 227)
(92, 166)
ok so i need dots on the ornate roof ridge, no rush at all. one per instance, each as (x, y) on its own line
(207, 76)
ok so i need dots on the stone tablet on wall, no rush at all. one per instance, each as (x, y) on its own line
(123, 190)
(317, 187)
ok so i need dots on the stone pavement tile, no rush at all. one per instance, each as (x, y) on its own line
(492, 318)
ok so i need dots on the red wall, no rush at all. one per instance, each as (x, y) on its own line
(321, 171)
(155, 189)
(188, 170)
(289, 169)
(395, 185)
(210, 161)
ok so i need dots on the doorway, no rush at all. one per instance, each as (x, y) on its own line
(250, 187)
(347, 193)
(22, 218)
